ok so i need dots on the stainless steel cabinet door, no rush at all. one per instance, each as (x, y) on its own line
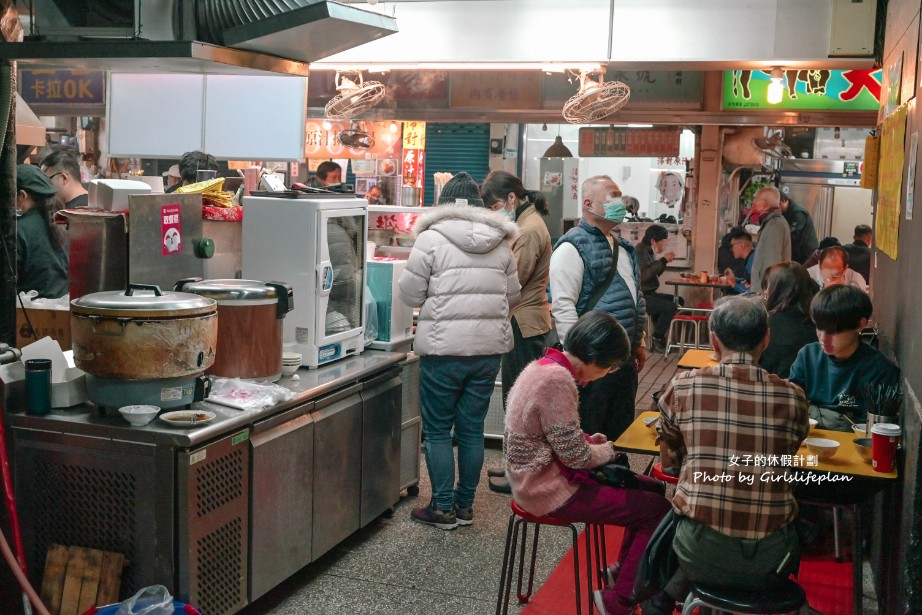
(281, 498)
(337, 468)
(382, 398)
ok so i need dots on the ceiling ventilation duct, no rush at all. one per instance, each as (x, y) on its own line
(199, 36)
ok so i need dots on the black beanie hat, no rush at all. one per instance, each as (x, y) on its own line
(461, 190)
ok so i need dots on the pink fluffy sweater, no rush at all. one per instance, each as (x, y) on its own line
(542, 422)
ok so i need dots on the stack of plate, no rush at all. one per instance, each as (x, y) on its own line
(291, 361)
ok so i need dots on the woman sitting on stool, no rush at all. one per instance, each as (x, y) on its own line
(660, 306)
(548, 455)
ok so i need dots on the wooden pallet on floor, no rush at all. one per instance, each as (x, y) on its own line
(77, 579)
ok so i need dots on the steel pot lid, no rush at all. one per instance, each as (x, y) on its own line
(143, 300)
(233, 290)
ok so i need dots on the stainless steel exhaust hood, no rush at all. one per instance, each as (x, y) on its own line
(29, 129)
(246, 37)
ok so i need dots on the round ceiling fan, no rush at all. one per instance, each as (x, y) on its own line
(356, 137)
(355, 96)
(595, 100)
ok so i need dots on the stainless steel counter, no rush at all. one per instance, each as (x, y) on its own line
(86, 420)
(207, 511)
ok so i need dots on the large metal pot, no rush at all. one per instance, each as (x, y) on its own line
(143, 334)
(251, 313)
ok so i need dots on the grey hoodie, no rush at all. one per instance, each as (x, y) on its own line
(462, 275)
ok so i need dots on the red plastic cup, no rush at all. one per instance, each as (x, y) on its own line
(884, 439)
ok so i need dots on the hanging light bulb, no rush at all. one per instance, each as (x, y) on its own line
(327, 125)
(393, 127)
(544, 127)
(775, 88)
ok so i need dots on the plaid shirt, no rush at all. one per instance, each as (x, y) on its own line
(722, 414)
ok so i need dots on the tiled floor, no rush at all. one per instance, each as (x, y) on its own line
(397, 566)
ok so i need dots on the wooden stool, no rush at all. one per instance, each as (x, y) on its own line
(595, 547)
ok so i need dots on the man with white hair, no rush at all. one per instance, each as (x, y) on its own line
(592, 269)
(774, 242)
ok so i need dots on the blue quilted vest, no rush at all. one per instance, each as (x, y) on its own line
(596, 253)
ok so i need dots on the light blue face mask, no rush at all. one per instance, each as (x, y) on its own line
(509, 214)
(615, 210)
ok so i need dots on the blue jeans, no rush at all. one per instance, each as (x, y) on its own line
(455, 392)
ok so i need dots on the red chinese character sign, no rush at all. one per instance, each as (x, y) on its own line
(170, 230)
(413, 167)
(321, 140)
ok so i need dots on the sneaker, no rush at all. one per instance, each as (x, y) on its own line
(611, 574)
(500, 485)
(597, 601)
(465, 516)
(659, 345)
(496, 473)
(614, 606)
(430, 515)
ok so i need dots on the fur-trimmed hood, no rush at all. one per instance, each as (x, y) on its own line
(472, 229)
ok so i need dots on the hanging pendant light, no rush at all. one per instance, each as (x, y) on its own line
(558, 150)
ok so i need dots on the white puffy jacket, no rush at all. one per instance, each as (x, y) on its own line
(462, 275)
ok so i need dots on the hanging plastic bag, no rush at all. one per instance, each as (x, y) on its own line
(371, 317)
(153, 600)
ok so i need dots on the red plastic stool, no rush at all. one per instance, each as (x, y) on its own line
(520, 518)
(657, 472)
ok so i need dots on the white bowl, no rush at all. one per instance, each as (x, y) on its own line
(813, 423)
(291, 356)
(289, 370)
(139, 415)
(824, 448)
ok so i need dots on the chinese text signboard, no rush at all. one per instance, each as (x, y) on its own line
(57, 87)
(824, 90)
(649, 89)
(611, 141)
(413, 168)
(496, 90)
(323, 143)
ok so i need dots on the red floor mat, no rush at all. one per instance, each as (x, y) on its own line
(827, 583)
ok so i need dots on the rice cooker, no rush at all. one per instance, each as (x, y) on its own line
(144, 346)
(250, 335)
